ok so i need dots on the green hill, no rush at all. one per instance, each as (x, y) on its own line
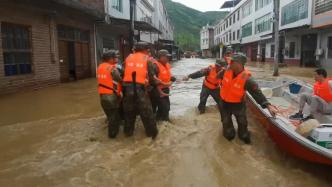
(188, 22)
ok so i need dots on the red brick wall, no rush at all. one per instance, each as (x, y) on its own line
(45, 59)
(45, 72)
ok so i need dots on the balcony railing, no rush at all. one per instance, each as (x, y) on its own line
(322, 6)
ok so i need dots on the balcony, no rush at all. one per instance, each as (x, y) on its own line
(147, 19)
(149, 4)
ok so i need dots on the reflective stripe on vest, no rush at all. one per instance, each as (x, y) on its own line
(106, 84)
(232, 89)
(164, 74)
(136, 63)
(323, 90)
(211, 81)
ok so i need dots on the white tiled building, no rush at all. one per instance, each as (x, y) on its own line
(249, 28)
(207, 40)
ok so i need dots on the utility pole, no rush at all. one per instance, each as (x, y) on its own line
(276, 38)
(132, 23)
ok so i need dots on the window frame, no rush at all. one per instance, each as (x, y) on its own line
(23, 51)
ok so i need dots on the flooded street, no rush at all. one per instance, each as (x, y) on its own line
(57, 137)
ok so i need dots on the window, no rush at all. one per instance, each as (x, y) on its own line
(230, 37)
(291, 49)
(238, 15)
(72, 34)
(263, 24)
(294, 11)
(238, 34)
(329, 47)
(230, 21)
(117, 5)
(247, 30)
(233, 35)
(272, 51)
(17, 53)
(227, 37)
(262, 3)
(322, 6)
(234, 18)
(247, 9)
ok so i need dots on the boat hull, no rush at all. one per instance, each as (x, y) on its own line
(284, 141)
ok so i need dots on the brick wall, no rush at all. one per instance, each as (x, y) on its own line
(44, 71)
(45, 54)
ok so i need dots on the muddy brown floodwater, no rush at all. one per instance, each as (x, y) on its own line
(57, 137)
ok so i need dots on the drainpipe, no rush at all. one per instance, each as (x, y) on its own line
(276, 38)
(132, 23)
(96, 47)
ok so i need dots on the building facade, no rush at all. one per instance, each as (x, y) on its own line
(207, 40)
(44, 43)
(304, 31)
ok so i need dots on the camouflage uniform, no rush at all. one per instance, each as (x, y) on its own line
(205, 92)
(111, 104)
(137, 101)
(239, 111)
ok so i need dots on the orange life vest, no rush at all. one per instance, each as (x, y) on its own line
(323, 90)
(164, 73)
(232, 89)
(106, 84)
(211, 81)
(137, 62)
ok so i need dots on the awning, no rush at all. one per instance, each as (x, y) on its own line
(139, 25)
(230, 4)
(92, 11)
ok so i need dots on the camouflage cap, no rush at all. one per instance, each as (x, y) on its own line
(141, 46)
(240, 58)
(110, 54)
(229, 49)
(163, 52)
(221, 62)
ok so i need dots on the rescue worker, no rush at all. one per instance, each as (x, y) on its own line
(211, 84)
(163, 81)
(236, 80)
(321, 99)
(228, 54)
(152, 87)
(137, 72)
(109, 88)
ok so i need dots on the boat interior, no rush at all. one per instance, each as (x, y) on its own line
(279, 94)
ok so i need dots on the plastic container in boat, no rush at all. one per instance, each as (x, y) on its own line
(294, 88)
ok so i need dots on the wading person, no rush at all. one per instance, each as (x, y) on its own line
(163, 81)
(235, 82)
(321, 99)
(211, 84)
(137, 72)
(228, 55)
(109, 89)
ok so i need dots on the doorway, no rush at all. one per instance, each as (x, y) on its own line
(71, 61)
(308, 48)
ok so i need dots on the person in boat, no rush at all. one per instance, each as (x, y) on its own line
(110, 91)
(321, 99)
(236, 80)
(211, 84)
(163, 81)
